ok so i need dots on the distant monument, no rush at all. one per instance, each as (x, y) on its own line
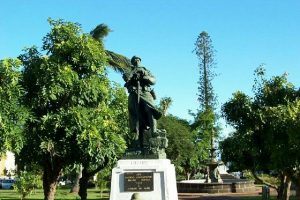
(215, 182)
(213, 174)
(144, 173)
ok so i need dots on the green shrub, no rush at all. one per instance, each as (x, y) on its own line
(26, 183)
(103, 179)
(267, 178)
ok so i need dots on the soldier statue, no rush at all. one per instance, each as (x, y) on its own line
(142, 111)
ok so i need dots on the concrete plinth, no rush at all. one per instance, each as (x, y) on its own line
(153, 179)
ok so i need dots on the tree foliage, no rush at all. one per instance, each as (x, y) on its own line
(76, 112)
(205, 126)
(205, 53)
(12, 113)
(26, 183)
(265, 129)
(181, 148)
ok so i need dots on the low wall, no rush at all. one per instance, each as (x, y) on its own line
(226, 187)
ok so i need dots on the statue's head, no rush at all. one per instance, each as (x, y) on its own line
(136, 196)
(135, 60)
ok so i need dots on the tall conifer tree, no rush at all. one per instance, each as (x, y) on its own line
(204, 125)
(205, 53)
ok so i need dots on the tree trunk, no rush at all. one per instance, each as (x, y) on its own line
(281, 187)
(298, 188)
(75, 187)
(86, 174)
(287, 186)
(83, 184)
(188, 175)
(50, 179)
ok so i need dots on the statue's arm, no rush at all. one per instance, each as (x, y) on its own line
(141, 74)
(127, 76)
(148, 78)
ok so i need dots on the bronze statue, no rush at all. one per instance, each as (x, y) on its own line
(142, 111)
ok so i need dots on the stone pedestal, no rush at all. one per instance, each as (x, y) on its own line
(153, 179)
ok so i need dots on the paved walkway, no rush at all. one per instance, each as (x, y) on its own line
(184, 197)
(224, 196)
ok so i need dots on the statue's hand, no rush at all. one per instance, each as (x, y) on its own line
(134, 77)
(141, 72)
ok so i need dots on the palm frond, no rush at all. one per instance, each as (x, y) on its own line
(101, 31)
(118, 62)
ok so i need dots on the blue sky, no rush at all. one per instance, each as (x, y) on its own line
(245, 34)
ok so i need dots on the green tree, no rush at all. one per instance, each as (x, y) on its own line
(12, 113)
(204, 132)
(238, 112)
(291, 115)
(205, 53)
(90, 164)
(264, 127)
(74, 173)
(204, 126)
(120, 64)
(181, 149)
(103, 180)
(105, 153)
(69, 96)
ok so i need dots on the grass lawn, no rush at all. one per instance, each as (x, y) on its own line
(93, 194)
(61, 194)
